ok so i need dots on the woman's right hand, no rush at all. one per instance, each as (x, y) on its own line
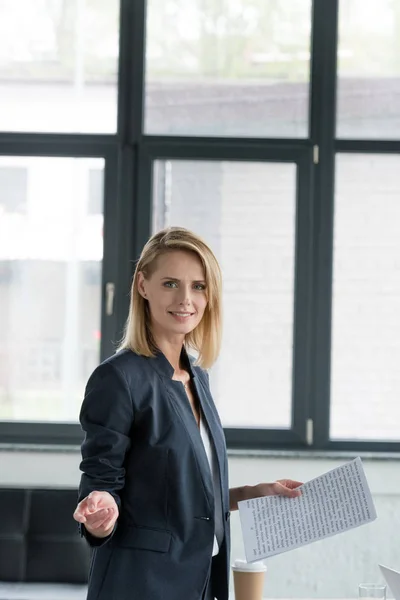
(98, 512)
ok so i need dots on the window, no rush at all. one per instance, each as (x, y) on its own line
(228, 68)
(366, 297)
(58, 65)
(269, 127)
(13, 189)
(96, 192)
(369, 69)
(49, 314)
(246, 212)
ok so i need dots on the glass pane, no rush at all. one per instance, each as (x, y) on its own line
(51, 250)
(58, 65)
(228, 67)
(366, 299)
(246, 212)
(369, 69)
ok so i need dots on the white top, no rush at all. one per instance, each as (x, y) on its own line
(213, 462)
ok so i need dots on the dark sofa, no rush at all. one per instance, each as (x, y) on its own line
(42, 555)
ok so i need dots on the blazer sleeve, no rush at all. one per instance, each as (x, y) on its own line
(106, 418)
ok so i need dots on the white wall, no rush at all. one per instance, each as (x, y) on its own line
(329, 569)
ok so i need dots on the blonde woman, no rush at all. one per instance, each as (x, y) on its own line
(154, 495)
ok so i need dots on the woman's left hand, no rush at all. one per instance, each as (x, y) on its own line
(282, 487)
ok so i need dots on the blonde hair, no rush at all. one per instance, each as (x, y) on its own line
(205, 339)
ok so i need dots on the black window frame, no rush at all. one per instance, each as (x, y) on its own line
(200, 150)
(129, 156)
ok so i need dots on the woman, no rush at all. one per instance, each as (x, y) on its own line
(154, 496)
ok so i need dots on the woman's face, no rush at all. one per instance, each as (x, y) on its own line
(176, 293)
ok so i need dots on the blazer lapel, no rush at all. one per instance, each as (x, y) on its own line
(181, 406)
(214, 428)
(184, 411)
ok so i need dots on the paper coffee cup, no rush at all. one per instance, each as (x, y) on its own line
(248, 579)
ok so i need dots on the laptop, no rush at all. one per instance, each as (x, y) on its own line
(392, 579)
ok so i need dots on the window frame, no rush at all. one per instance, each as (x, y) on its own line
(155, 149)
(129, 156)
(40, 145)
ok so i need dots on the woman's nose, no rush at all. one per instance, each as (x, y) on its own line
(185, 297)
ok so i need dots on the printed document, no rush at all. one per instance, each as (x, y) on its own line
(330, 504)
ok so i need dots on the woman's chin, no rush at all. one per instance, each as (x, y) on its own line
(182, 326)
(181, 329)
(173, 328)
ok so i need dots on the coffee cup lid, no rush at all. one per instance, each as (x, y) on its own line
(253, 567)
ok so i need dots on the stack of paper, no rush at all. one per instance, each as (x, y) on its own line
(330, 504)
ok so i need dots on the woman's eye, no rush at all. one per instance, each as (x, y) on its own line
(170, 284)
(200, 287)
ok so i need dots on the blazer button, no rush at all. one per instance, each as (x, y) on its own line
(227, 516)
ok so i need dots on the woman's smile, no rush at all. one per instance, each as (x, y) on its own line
(181, 316)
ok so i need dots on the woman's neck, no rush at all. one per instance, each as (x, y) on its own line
(172, 350)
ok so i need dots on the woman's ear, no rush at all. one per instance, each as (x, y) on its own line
(141, 284)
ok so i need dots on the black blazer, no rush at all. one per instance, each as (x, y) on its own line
(142, 444)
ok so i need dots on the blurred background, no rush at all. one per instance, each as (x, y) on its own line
(269, 127)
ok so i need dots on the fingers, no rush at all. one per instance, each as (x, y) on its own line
(78, 516)
(293, 493)
(99, 518)
(100, 499)
(92, 504)
(94, 500)
(290, 483)
(285, 488)
(293, 484)
(101, 523)
(110, 523)
(80, 512)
